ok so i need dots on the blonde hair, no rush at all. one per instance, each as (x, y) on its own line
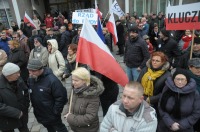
(14, 43)
(83, 74)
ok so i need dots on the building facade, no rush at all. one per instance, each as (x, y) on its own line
(14, 10)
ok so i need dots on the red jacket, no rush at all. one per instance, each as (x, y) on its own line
(49, 22)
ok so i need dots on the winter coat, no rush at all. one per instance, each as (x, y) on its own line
(14, 98)
(120, 34)
(3, 59)
(40, 53)
(158, 84)
(152, 36)
(75, 39)
(48, 97)
(4, 45)
(17, 56)
(63, 43)
(48, 37)
(189, 107)
(170, 48)
(28, 31)
(136, 53)
(49, 22)
(37, 23)
(85, 106)
(56, 61)
(143, 120)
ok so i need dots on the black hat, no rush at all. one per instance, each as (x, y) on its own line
(42, 25)
(183, 72)
(133, 29)
(197, 40)
(165, 32)
(38, 39)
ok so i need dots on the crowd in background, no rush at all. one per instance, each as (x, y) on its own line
(157, 58)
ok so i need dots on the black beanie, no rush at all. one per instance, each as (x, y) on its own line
(38, 39)
(197, 40)
(133, 29)
(165, 32)
(183, 72)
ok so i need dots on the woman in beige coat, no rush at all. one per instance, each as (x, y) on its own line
(3, 59)
(83, 116)
(55, 60)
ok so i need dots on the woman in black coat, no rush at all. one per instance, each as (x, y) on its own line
(18, 57)
(153, 77)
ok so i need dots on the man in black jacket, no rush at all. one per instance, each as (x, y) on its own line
(48, 96)
(136, 54)
(14, 100)
(64, 41)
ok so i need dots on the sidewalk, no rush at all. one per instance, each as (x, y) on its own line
(34, 126)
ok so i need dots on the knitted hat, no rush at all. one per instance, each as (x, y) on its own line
(145, 37)
(38, 39)
(183, 72)
(10, 68)
(134, 29)
(165, 32)
(34, 64)
(194, 62)
(197, 40)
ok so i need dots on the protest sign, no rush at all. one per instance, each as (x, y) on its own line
(79, 17)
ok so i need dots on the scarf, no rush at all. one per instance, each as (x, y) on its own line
(80, 89)
(148, 79)
(71, 58)
(186, 40)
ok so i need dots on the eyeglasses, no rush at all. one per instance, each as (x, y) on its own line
(155, 60)
(180, 79)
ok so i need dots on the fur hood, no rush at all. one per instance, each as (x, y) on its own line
(165, 67)
(95, 88)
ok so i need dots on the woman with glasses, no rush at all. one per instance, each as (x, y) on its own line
(153, 77)
(179, 105)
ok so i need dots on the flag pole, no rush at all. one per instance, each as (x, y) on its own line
(71, 96)
(192, 45)
(105, 17)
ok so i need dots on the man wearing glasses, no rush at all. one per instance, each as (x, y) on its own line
(4, 42)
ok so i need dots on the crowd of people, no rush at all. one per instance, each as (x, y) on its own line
(163, 68)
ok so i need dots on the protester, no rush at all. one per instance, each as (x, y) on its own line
(48, 96)
(149, 45)
(179, 105)
(49, 35)
(76, 37)
(36, 22)
(120, 36)
(83, 115)
(14, 100)
(183, 61)
(49, 21)
(64, 41)
(55, 60)
(4, 42)
(153, 76)
(185, 41)
(108, 40)
(168, 46)
(136, 54)
(39, 52)
(14, 26)
(132, 113)
(18, 57)
(194, 72)
(154, 35)
(3, 59)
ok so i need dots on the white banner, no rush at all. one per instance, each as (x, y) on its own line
(79, 17)
(91, 10)
(115, 8)
(183, 17)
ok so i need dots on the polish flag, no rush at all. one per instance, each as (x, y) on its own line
(93, 52)
(28, 19)
(97, 10)
(112, 28)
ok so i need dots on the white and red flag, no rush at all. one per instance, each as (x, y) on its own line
(112, 28)
(93, 52)
(97, 10)
(28, 19)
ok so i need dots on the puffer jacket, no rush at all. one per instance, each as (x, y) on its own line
(189, 107)
(85, 106)
(14, 98)
(48, 97)
(56, 61)
(143, 120)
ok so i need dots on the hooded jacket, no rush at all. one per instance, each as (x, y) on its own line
(189, 107)
(85, 106)
(56, 61)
